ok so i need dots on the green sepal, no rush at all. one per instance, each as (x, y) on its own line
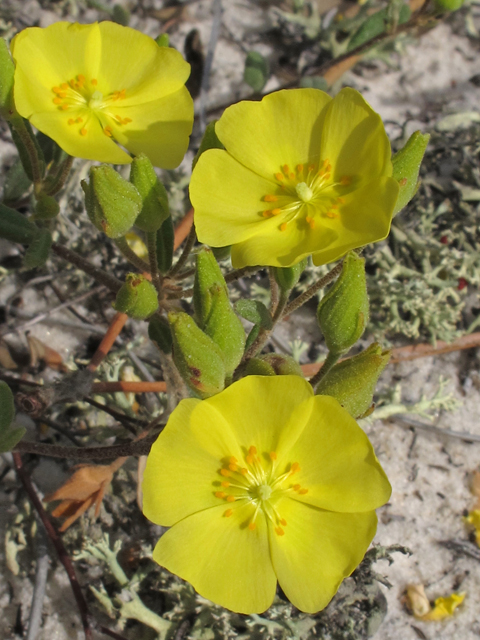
(273, 364)
(225, 328)
(20, 123)
(287, 277)
(209, 141)
(7, 70)
(406, 167)
(112, 203)
(163, 40)
(38, 250)
(198, 359)
(352, 382)
(16, 184)
(9, 435)
(207, 274)
(252, 336)
(46, 207)
(344, 311)
(137, 297)
(256, 71)
(254, 311)
(375, 25)
(165, 243)
(155, 208)
(159, 332)
(221, 253)
(16, 227)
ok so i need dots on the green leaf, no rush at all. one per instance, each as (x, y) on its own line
(16, 227)
(254, 311)
(7, 406)
(38, 251)
(16, 184)
(165, 241)
(256, 70)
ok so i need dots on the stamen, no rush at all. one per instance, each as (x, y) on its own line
(225, 473)
(252, 526)
(299, 168)
(64, 107)
(232, 460)
(345, 181)
(295, 467)
(94, 81)
(83, 132)
(108, 131)
(279, 177)
(81, 78)
(311, 167)
(232, 467)
(286, 169)
(279, 531)
(71, 121)
(56, 89)
(79, 119)
(302, 492)
(283, 226)
(341, 200)
(127, 120)
(228, 513)
(275, 212)
(310, 222)
(273, 455)
(296, 487)
(267, 214)
(269, 198)
(230, 498)
(331, 214)
(283, 522)
(252, 451)
(57, 101)
(225, 484)
(64, 86)
(220, 494)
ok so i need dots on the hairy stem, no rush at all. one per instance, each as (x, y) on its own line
(311, 291)
(192, 236)
(124, 248)
(330, 361)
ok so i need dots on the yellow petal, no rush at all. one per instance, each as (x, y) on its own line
(337, 462)
(365, 217)
(317, 551)
(160, 128)
(182, 472)
(473, 519)
(268, 413)
(444, 607)
(230, 210)
(222, 558)
(354, 138)
(285, 127)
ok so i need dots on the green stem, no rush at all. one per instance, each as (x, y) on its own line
(264, 334)
(19, 125)
(152, 256)
(240, 273)
(61, 177)
(274, 291)
(192, 236)
(330, 361)
(137, 448)
(311, 291)
(124, 248)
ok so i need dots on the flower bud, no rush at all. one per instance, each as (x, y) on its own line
(7, 70)
(137, 297)
(16, 227)
(352, 382)
(273, 364)
(112, 203)
(207, 274)
(46, 207)
(159, 333)
(198, 359)
(154, 196)
(406, 166)
(224, 327)
(287, 277)
(343, 312)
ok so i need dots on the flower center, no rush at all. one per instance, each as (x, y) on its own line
(83, 99)
(306, 194)
(259, 482)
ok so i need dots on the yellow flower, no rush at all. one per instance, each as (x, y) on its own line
(263, 482)
(301, 175)
(90, 86)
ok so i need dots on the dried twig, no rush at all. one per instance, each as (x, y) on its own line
(406, 421)
(41, 573)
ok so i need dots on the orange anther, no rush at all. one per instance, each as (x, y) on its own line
(327, 176)
(302, 492)
(249, 459)
(311, 222)
(295, 467)
(345, 181)
(283, 522)
(328, 168)
(122, 93)
(243, 471)
(341, 200)
(283, 226)
(56, 89)
(334, 206)
(220, 494)
(273, 455)
(79, 120)
(118, 119)
(81, 78)
(71, 121)
(311, 167)
(252, 451)
(279, 531)
(275, 212)
(296, 487)
(331, 214)
(252, 526)
(291, 175)
(108, 132)
(267, 214)
(64, 86)
(62, 94)
(225, 484)
(127, 120)
(64, 107)
(279, 176)
(230, 498)
(232, 467)
(228, 513)
(57, 101)
(83, 132)
(286, 169)
(299, 168)
(94, 81)
(269, 198)
(224, 472)
(232, 460)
